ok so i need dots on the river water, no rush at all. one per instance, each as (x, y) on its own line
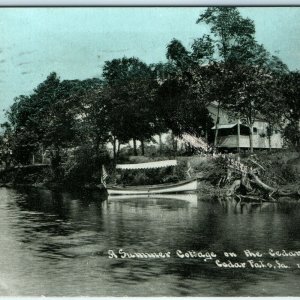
(56, 244)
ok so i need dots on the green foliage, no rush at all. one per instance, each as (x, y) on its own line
(152, 176)
(177, 53)
(30, 175)
(92, 119)
(84, 166)
(132, 87)
(6, 145)
(249, 92)
(44, 117)
(182, 95)
(203, 49)
(232, 40)
(233, 34)
(292, 134)
(58, 115)
(212, 170)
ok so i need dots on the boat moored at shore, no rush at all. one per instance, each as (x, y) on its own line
(179, 187)
(166, 188)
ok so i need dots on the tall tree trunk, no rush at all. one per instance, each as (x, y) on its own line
(251, 138)
(160, 144)
(97, 145)
(119, 147)
(238, 136)
(143, 147)
(251, 120)
(43, 153)
(114, 149)
(55, 162)
(270, 143)
(269, 133)
(174, 144)
(134, 147)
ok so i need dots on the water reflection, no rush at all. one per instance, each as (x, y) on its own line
(58, 242)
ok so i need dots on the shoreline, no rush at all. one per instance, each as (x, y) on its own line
(54, 186)
(278, 171)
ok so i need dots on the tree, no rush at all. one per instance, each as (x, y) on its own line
(177, 53)
(93, 121)
(32, 113)
(6, 145)
(238, 54)
(58, 116)
(290, 87)
(251, 93)
(46, 117)
(234, 35)
(203, 50)
(182, 108)
(24, 128)
(131, 85)
(182, 96)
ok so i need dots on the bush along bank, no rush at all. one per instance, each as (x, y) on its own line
(81, 169)
(21, 175)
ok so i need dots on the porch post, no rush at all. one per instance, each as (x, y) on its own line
(216, 127)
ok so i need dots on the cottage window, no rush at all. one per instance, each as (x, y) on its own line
(254, 130)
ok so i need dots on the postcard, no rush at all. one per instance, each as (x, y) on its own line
(149, 151)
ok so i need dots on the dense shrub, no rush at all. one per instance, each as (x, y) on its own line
(84, 166)
(28, 175)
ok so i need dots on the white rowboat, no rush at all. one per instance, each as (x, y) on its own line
(180, 187)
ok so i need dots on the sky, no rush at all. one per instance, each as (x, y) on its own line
(75, 42)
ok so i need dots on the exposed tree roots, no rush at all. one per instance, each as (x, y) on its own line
(247, 186)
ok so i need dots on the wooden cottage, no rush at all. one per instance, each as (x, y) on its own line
(232, 135)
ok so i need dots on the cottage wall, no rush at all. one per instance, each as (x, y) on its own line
(260, 132)
(261, 138)
(230, 141)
